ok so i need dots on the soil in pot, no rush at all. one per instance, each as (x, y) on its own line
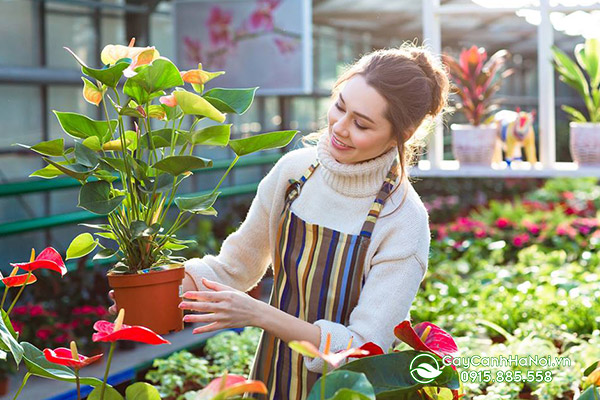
(151, 299)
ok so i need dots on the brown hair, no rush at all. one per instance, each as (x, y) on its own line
(414, 84)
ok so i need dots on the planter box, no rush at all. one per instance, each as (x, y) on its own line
(584, 143)
(473, 145)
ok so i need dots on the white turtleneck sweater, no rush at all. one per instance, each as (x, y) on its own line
(337, 196)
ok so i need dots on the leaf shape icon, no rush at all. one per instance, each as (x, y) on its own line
(427, 371)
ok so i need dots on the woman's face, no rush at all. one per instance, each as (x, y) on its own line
(356, 120)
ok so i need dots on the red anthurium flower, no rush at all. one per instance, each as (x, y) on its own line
(18, 280)
(64, 356)
(111, 332)
(426, 336)
(230, 385)
(371, 348)
(47, 259)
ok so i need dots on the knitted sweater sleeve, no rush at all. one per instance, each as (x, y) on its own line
(384, 302)
(245, 254)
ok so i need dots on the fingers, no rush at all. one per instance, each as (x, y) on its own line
(111, 294)
(202, 318)
(204, 296)
(113, 309)
(215, 326)
(215, 285)
(200, 306)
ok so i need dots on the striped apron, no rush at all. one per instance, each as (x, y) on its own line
(318, 274)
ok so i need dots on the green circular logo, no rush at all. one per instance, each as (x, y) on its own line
(421, 369)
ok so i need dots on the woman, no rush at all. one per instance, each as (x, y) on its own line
(339, 267)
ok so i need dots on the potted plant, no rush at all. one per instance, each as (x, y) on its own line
(584, 140)
(475, 79)
(131, 176)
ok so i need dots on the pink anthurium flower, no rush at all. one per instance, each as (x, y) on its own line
(69, 357)
(334, 359)
(426, 336)
(49, 258)
(230, 385)
(169, 100)
(111, 332)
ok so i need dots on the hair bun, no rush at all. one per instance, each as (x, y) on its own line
(438, 79)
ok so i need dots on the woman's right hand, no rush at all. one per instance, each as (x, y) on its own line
(112, 309)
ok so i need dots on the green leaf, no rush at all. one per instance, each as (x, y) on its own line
(343, 385)
(163, 182)
(8, 339)
(588, 56)
(570, 71)
(140, 229)
(38, 365)
(162, 138)
(116, 163)
(217, 135)
(177, 165)
(92, 143)
(110, 393)
(263, 141)
(77, 171)
(161, 74)
(48, 172)
(173, 113)
(95, 197)
(85, 156)
(109, 76)
(96, 226)
(588, 394)
(105, 176)
(104, 254)
(141, 391)
(106, 235)
(575, 114)
(236, 101)
(193, 104)
(54, 148)
(198, 204)
(81, 127)
(83, 244)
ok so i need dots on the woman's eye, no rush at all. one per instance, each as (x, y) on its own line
(355, 123)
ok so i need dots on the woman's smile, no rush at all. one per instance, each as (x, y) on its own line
(338, 144)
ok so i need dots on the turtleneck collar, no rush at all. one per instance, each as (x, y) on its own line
(355, 180)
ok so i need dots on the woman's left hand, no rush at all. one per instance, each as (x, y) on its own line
(225, 307)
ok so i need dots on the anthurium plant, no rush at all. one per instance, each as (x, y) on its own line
(572, 73)
(131, 172)
(476, 79)
(64, 363)
(395, 375)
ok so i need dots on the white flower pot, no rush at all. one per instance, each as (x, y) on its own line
(584, 143)
(473, 145)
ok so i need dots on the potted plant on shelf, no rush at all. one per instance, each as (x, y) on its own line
(475, 79)
(131, 176)
(584, 138)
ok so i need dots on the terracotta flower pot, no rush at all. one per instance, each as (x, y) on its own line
(151, 299)
(584, 143)
(473, 145)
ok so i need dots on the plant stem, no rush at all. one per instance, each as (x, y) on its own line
(78, 385)
(4, 297)
(226, 173)
(323, 380)
(594, 389)
(18, 294)
(27, 375)
(110, 354)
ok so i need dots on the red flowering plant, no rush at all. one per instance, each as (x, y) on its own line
(423, 371)
(229, 386)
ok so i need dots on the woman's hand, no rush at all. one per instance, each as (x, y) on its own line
(112, 309)
(225, 307)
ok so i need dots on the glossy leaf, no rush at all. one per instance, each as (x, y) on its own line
(161, 74)
(343, 385)
(198, 204)
(92, 143)
(77, 171)
(48, 172)
(8, 339)
(162, 138)
(217, 135)
(140, 229)
(83, 244)
(109, 76)
(54, 148)
(85, 156)
(104, 254)
(265, 141)
(110, 393)
(177, 165)
(81, 127)
(141, 391)
(95, 197)
(38, 365)
(194, 104)
(236, 101)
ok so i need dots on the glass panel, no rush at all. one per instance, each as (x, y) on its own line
(18, 32)
(162, 34)
(74, 32)
(113, 31)
(327, 58)
(20, 111)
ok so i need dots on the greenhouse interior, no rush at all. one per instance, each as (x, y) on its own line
(296, 199)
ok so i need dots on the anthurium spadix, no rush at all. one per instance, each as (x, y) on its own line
(193, 104)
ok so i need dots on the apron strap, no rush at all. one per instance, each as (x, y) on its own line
(386, 188)
(293, 189)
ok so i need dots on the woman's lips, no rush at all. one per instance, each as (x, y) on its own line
(338, 146)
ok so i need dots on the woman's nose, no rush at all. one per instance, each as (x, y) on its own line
(340, 128)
